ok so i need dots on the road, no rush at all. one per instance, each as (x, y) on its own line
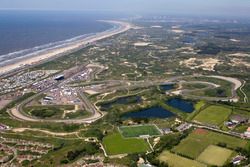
(234, 134)
(18, 113)
(96, 114)
(245, 96)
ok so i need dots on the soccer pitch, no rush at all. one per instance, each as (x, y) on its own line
(115, 144)
(214, 155)
(139, 130)
(213, 115)
(178, 161)
(193, 145)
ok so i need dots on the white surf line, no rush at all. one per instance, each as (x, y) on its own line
(122, 27)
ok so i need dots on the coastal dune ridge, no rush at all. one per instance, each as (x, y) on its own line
(25, 58)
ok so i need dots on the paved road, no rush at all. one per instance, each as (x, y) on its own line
(245, 96)
(234, 134)
(18, 113)
(96, 114)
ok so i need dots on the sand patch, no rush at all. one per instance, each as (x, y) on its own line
(239, 62)
(239, 55)
(234, 40)
(206, 64)
(91, 92)
(178, 31)
(141, 44)
(156, 26)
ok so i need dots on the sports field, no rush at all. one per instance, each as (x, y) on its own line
(213, 115)
(200, 139)
(115, 144)
(178, 161)
(137, 131)
(214, 155)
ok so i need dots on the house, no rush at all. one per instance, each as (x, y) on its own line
(183, 127)
(166, 130)
(177, 120)
(247, 133)
(4, 127)
(237, 159)
(238, 119)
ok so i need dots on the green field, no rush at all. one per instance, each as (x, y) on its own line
(199, 140)
(213, 115)
(115, 144)
(174, 160)
(199, 105)
(214, 155)
(137, 131)
(44, 112)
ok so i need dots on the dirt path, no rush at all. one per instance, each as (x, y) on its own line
(44, 131)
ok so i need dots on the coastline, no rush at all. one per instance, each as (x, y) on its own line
(26, 62)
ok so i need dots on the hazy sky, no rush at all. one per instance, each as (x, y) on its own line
(221, 7)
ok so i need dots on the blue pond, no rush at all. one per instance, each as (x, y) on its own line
(183, 105)
(153, 112)
(121, 100)
(167, 87)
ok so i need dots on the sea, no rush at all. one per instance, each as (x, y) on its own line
(24, 32)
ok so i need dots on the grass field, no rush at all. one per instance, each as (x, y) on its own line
(200, 139)
(199, 105)
(174, 160)
(213, 115)
(115, 144)
(214, 155)
(137, 131)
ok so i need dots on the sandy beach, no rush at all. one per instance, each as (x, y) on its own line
(122, 27)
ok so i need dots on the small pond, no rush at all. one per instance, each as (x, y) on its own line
(167, 87)
(183, 105)
(121, 100)
(153, 112)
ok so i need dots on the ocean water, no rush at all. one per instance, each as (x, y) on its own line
(24, 32)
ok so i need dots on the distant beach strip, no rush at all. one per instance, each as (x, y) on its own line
(18, 60)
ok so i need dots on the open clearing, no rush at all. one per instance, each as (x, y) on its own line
(115, 144)
(214, 155)
(174, 160)
(207, 64)
(200, 139)
(137, 131)
(213, 115)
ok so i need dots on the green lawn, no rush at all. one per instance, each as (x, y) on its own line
(115, 144)
(197, 142)
(47, 111)
(199, 105)
(214, 155)
(174, 160)
(137, 131)
(213, 115)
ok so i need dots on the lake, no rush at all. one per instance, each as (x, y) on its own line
(167, 87)
(153, 112)
(183, 105)
(121, 100)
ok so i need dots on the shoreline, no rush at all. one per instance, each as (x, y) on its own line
(54, 53)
